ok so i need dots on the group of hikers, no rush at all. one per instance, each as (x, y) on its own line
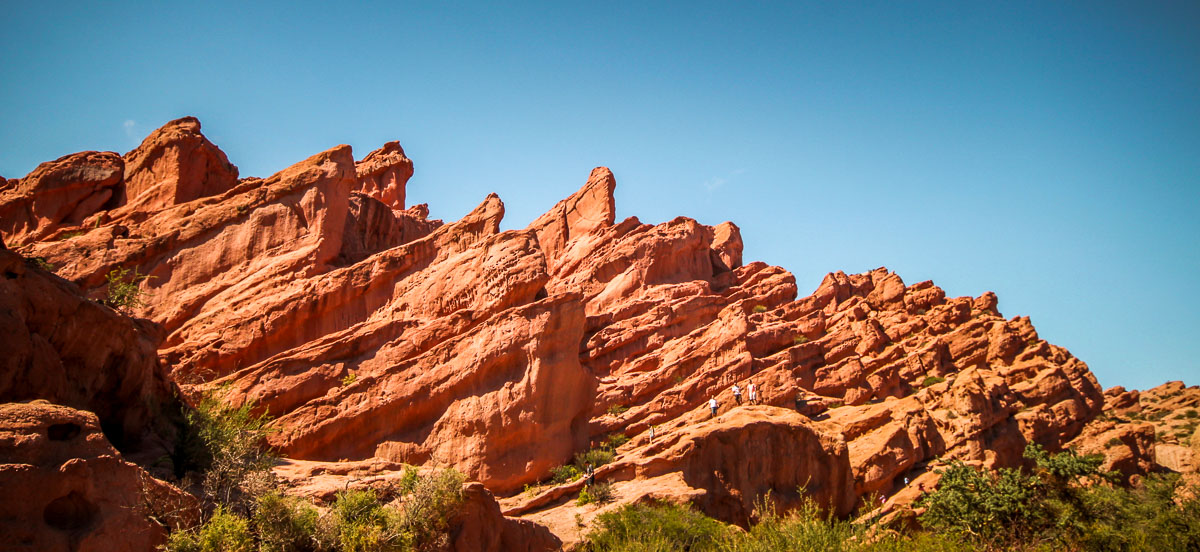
(752, 392)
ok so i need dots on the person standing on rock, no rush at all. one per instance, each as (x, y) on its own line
(651, 434)
(712, 406)
(590, 472)
(737, 394)
(753, 392)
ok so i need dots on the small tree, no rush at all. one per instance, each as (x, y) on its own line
(233, 457)
(124, 290)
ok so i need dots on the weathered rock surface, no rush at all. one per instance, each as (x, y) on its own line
(63, 191)
(175, 164)
(376, 335)
(1141, 431)
(63, 348)
(65, 488)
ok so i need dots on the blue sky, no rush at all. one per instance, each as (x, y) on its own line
(1048, 152)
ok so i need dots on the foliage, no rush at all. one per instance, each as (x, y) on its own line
(1191, 414)
(1065, 502)
(349, 379)
(284, 523)
(1113, 442)
(615, 440)
(596, 457)
(932, 380)
(617, 409)
(800, 339)
(600, 493)
(356, 521)
(1160, 515)
(41, 263)
(124, 289)
(658, 526)
(760, 308)
(565, 473)
(228, 446)
(224, 532)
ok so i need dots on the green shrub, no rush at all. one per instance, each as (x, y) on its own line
(1191, 414)
(224, 532)
(617, 409)
(600, 493)
(799, 339)
(426, 512)
(931, 380)
(349, 379)
(657, 526)
(408, 481)
(615, 440)
(42, 263)
(124, 290)
(564, 474)
(760, 308)
(1113, 442)
(228, 445)
(285, 523)
(596, 457)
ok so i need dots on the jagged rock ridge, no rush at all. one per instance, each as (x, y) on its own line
(373, 333)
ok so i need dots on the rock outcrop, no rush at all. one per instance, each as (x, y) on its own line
(63, 348)
(1143, 431)
(376, 336)
(65, 488)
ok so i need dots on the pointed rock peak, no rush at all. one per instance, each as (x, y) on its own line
(341, 157)
(591, 208)
(727, 246)
(481, 222)
(488, 214)
(383, 174)
(986, 303)
(176, 164)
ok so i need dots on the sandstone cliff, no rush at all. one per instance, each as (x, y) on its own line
(377, 336)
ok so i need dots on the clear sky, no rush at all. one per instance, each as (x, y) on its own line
(1045, 151)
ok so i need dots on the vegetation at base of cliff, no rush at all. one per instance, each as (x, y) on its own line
(600, 493)
(358, 520)
(226, 446)
(124, 290)
(1063, 503)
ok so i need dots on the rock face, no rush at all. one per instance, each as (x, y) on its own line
(175, 164)
(374, 334)
(66, 488)
(1148, 430)
(63, 348)
(64, 191)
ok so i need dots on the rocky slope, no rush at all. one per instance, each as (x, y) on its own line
(377, 336)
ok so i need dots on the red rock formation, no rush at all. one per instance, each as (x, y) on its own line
(65, 488)
(1149, 430)
(61, 347)
(377, 335)
(60, 192)
(383, 175)
(481, 528)
(175, 164)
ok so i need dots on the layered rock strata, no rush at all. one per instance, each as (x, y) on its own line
(374, 334)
